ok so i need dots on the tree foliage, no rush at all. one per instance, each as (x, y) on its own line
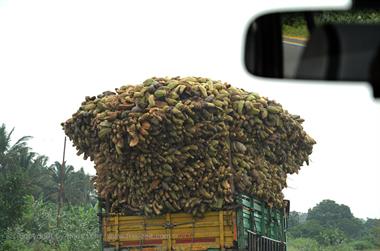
(334, 227)
(331, 236)
(24, 173)
(308, 229)
(327, 17)
(296, 218)
(372, 231)
(12, 178)
(303, 244)
(330, 214)
(12, 194)
(79, 189)
(78, 229)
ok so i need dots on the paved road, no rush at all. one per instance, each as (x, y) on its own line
(292, 52)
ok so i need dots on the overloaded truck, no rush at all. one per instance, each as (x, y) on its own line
(250, 225)
(190, 164)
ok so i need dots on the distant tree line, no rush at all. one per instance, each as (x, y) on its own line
(329, 224)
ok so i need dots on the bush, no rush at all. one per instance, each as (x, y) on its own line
(14, 245)
(331, 236)
(12, 193)
(308, 229)
(303, 244)
(362, 245)
(38, 230)
(340, 247)
(79, 228)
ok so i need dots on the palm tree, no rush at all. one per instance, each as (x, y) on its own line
(26, 159)
(79, 190)
(20, 157)
(12, 178)
(36, 169)
(10, 155)
(60, 174)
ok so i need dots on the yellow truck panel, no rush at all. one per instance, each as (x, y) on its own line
(249, 225)
(179, 231)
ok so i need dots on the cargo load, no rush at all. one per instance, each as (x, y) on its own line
(187, 145)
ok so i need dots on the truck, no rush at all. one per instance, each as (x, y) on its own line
(248, 225)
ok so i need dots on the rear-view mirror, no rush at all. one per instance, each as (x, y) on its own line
(316, 45)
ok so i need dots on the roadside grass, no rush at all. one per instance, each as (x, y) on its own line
(295, 31)
(309, 244)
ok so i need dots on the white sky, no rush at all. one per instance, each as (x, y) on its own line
(54, 53)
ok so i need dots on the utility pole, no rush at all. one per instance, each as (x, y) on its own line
(61, 184)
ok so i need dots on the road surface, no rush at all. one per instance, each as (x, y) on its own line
(292, 52)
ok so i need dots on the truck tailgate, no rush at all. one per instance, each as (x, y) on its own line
(180, 231)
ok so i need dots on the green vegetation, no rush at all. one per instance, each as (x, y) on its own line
(294, 23)
(295, 31)
(29, 191)
(330, 226)
(347, 17)
(37, 228)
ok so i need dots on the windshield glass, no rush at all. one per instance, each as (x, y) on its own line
(58, 59)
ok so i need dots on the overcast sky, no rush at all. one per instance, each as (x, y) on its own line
(54, 53)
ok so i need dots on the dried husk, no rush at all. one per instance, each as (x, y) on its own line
(187, 144)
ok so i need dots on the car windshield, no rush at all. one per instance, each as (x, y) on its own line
(58, 56)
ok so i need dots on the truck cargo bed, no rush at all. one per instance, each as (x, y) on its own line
(219, 230)
(171, 231)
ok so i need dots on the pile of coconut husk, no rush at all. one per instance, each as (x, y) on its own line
(187, 144)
